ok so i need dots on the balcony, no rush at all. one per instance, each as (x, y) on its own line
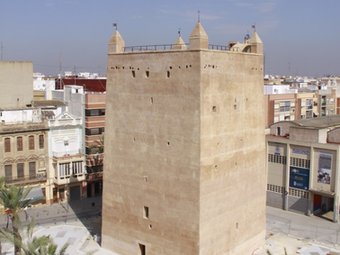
(94, 160)
(94, 141)
(27, 179)
(94, 121)
(95, 176)
(67, 154)
(69, 179)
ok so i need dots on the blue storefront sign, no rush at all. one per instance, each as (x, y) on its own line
(299, 178)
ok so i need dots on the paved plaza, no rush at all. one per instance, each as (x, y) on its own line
(79, 225)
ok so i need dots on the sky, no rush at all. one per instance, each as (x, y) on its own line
(301, 37)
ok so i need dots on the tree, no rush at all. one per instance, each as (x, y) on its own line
(42, 245)
(14, 199)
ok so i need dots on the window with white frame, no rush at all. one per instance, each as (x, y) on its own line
(64, 170)
(77, 167)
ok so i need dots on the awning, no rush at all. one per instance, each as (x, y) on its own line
(322, 192)
(35, 195)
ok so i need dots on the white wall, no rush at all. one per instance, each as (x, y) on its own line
(20, 116)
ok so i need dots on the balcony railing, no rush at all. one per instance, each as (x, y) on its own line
(70, 179)
(94, 176)
(38, 177)
(67, 153)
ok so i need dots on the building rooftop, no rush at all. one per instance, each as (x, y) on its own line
(320, 122)
(46, 103)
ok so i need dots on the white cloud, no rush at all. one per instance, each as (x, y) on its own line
(191, 14)
(262, 6)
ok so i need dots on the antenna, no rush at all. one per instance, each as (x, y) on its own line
(2, 51)
(115, 25)
(75, 70)
(199, 16)
(60, 64)
(179, 32)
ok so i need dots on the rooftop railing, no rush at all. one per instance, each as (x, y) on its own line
(163, 47)
(218, 47)
(158, 47)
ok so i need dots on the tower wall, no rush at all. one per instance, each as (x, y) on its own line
(152, 153)
(232, 183)
(184, 139)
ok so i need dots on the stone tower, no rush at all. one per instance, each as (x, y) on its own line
(184, 149)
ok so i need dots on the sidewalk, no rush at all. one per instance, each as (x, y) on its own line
(295, 233)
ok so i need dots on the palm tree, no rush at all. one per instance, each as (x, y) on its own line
(42, 245)
(14, 199)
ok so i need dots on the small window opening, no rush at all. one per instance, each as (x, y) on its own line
(168, 143)
(278, 131)
(170, 67)
(151, 100)
(146, 212)
(142, 249)
(168, 74)
(214, 109)
(133, 73)
(147, 73)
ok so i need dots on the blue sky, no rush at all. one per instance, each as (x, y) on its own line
(301, 37)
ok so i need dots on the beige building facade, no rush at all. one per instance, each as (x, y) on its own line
(94, 141)
(301, 105)
(23, 158)
(303, 166)
(180, 175)
(16, 79)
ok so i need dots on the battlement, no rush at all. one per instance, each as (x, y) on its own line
(198, 40)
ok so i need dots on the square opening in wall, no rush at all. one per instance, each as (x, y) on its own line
(142, 249)
(146, 212)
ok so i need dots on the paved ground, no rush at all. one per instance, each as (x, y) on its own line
(300, 234)
(79, 225)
